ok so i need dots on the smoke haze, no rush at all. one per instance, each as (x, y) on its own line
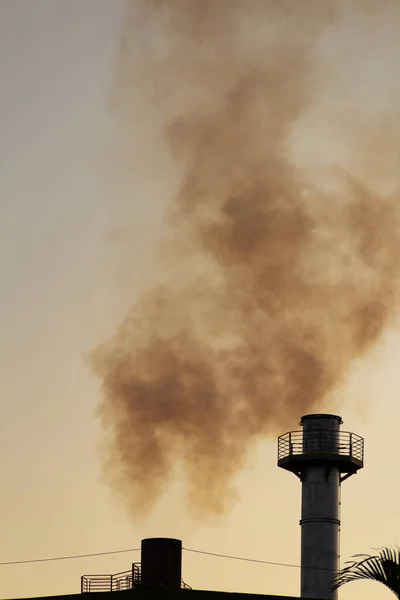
(287, 284)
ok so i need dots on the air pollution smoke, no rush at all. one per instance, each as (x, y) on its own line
(289, 283)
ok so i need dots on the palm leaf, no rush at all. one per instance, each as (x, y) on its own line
(383, 567)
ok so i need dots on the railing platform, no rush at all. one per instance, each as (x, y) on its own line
(343, 449)
(126, 580)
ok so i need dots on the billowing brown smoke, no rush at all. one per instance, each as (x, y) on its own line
(289, 283)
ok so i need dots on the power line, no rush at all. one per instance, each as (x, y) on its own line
(253, 560)
(110, 552)
(54, 558)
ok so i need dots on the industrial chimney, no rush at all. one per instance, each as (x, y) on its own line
(322, 457)
(160, 569)
(161, 563)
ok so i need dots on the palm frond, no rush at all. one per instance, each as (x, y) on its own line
(383, 567)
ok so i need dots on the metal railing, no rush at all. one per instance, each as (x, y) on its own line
(126, 580)
(303, 443)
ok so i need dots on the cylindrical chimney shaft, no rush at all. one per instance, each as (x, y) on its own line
(161, 563)
(320, 508)
(322, 457)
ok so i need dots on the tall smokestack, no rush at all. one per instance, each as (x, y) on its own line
(322, 457)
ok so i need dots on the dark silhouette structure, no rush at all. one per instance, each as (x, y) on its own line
(157, 577)
(160, 569)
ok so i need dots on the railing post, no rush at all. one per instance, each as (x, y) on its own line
(351, 444)
(290, 444)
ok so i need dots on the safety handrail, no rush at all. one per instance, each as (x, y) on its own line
(303, 443)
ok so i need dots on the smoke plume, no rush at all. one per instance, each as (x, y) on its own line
(289, 282)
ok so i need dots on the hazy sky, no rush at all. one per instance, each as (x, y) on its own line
(60, 284)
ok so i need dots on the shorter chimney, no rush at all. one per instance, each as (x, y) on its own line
(161, 563)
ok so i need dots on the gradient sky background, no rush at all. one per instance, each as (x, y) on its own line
(60, 296)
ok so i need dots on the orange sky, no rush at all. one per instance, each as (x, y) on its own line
(61, 295)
